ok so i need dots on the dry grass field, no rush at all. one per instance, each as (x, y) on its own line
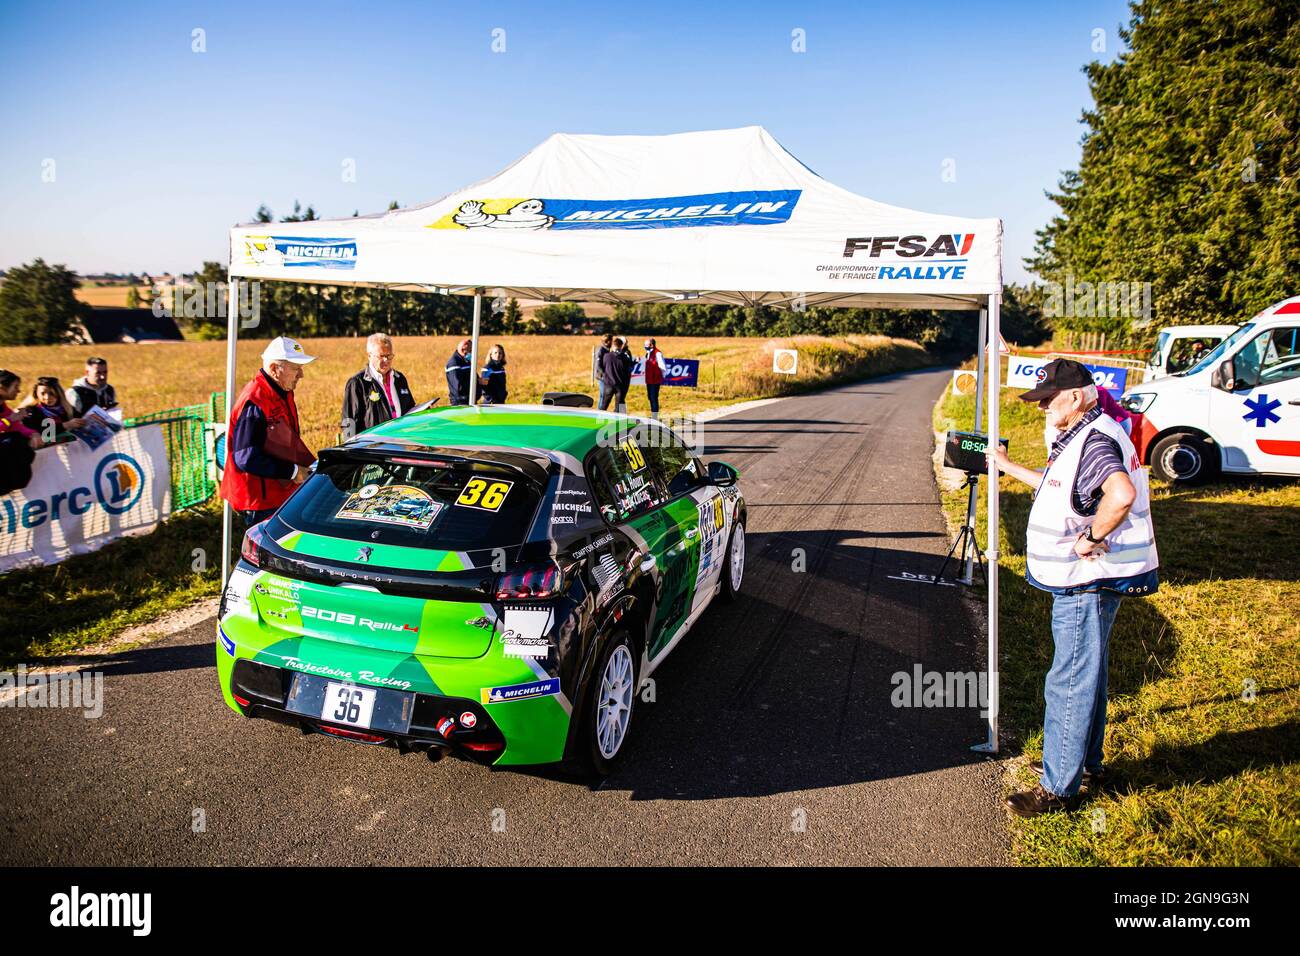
(165, 375)
(107, 295)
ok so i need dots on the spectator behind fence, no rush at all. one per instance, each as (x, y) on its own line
(92, 389)
(267, 459)
(459, 368)
(378, 392)
(616, 374)
(18, 443)
(605, 341)
(47, 410)
(493, 376)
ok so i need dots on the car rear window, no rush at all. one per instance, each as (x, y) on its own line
(448, 507)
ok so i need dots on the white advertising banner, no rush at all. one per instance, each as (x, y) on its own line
(1022, 371)
(79, 498)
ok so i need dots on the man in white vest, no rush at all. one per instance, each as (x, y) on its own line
(1090, 542)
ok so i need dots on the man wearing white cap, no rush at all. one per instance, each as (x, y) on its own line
(266, 459)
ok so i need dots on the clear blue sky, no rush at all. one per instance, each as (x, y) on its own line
(158, 149)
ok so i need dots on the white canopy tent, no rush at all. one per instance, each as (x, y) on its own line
(723, 216)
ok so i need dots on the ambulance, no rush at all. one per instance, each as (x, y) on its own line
(1236, 411)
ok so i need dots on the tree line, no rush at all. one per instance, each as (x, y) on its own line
(1187, 181)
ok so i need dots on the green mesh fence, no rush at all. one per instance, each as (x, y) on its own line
(185, 431)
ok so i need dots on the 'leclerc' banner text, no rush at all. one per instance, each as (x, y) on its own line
(80, 499)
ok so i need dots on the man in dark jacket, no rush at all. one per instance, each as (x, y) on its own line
(92, 389)
(606, 341)
(616, 374)
(378, 392)
(459, 369)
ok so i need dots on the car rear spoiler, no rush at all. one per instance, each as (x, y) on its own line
(536, 470)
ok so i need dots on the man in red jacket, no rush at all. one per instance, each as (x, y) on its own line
(266, 459)
(655, 370)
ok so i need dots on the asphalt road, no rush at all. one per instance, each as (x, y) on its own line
(771, 740)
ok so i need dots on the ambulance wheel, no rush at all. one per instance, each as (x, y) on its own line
(1184, 459)
(607, 711)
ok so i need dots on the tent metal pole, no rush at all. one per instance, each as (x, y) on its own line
(473, 349)
(968, 572)
(991, 554)
(232, 336)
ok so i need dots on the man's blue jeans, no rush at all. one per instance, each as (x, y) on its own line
(1074, 728)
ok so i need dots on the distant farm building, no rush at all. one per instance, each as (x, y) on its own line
(103, 324)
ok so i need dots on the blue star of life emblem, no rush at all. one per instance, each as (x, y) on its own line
(1261, 410)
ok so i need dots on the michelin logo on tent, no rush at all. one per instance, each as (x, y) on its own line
(752, 208)
(296, 251)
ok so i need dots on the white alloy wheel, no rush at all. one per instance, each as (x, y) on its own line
(737, 556)
(614, 709)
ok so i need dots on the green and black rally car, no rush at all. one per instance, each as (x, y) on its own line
(494, 581)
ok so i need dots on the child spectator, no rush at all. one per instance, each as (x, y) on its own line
(47, 403)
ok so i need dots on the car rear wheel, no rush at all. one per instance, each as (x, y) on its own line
(1184, 459)
(610, 701)
(733, 569)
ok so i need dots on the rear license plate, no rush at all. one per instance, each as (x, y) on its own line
(351, 705)
(348, 704)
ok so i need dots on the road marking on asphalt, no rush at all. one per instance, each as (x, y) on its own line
(919, 579)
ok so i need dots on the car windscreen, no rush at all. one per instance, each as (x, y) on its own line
(1154, 358)
(448, 506)
(1221, 349)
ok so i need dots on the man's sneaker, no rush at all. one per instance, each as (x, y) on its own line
(1092, 779)
(1030, 803)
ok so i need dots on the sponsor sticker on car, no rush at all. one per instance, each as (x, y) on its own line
(538, 688)
(404, 505)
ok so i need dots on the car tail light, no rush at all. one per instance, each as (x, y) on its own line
(253, 538)
(483, 747)
(534, 583)
(242, 702)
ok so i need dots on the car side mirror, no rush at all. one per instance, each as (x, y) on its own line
(722, 474)
(1224, 377)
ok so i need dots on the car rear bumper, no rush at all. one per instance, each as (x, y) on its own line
(261, 691)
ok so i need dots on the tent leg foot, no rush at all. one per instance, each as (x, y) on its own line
(984, 748)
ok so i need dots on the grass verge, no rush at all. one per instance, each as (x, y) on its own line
(59, 609)
(1203, 735)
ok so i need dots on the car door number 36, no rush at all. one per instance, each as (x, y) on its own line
(348, 704)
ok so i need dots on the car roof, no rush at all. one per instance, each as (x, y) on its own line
(1285, 308)
(1191, 330)
(574, 431)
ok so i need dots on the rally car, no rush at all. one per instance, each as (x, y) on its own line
(559, 556)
